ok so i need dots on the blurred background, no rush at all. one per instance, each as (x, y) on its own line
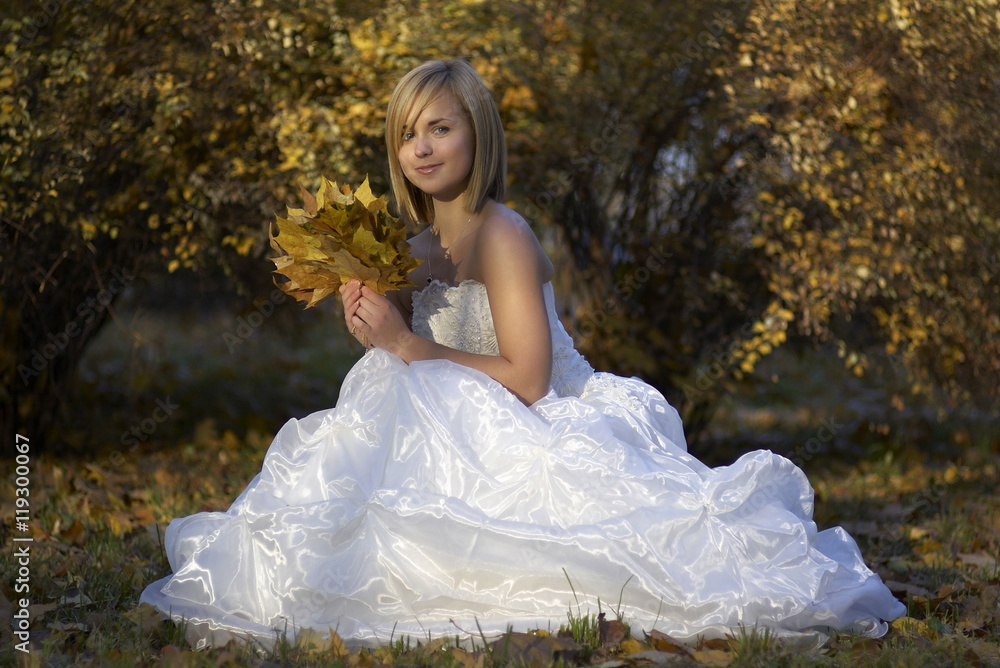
(782, 214)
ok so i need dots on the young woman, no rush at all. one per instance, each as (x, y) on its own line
(477, 474)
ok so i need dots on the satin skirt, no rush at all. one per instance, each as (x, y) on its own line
(430, 502)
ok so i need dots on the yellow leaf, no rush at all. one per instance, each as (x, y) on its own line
(337, 236)
(337, 646)
(310, 640)
(911, 626)
(631, 646)
(713, 657)
(366, 241)
(364, 193)
(364, 658)
(118, 523)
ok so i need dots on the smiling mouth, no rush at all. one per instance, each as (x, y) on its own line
(428, 168)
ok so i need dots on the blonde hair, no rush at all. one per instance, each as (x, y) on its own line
(414, 92)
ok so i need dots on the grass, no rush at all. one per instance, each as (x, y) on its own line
(927, 519)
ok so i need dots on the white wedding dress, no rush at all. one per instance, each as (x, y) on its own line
(430, 502)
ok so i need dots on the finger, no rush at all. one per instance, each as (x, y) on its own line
(358, 329)
(349, 288)
(363, 314)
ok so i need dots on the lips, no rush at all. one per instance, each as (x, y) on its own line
(427, 169)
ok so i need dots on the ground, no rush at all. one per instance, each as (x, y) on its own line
(915, 486)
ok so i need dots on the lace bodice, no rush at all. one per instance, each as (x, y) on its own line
(459, 317)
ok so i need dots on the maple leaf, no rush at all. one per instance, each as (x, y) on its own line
(339, 235)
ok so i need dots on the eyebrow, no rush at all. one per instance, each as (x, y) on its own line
(448, 119)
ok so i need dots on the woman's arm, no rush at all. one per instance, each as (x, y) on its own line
(513, 267)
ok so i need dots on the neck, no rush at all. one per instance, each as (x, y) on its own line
(449, 219)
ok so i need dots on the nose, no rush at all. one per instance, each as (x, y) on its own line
(421, 146)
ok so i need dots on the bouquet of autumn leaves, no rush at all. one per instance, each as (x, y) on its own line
(339, 235)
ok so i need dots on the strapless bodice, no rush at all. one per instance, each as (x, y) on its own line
(459, 316)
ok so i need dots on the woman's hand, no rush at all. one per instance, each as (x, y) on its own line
(372, 318)
(350, 293)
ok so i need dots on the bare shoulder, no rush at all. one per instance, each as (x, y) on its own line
(505, 237)
(500, 223)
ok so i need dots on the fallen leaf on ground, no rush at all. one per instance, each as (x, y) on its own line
(866, 648)
(611, 633)
(363, 658)
(468, 659)
(68, 626)
(979, 559)
(903, 588)
(145, 616)
(311, 640)
(75, 534)
(914, 627)
(631, 646)
(74, 597)
(664, 643)
(713, 657)
(40, 609)
(532, 650)
(716, 643)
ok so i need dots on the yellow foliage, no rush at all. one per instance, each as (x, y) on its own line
(835, 202)
(911, 626)
(631, 646)
(340, 235)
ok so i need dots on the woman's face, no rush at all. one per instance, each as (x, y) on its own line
(437, 149)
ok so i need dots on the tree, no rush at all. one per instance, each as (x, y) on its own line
(136, 138)
(807, 173)
(713, 178)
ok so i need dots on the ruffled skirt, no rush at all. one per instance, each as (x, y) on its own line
(430, 502)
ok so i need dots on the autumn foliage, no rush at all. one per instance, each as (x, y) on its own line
(714, 179)
(337, 236)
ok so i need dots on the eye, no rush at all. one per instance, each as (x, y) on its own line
(407, 136)
(440, 130)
